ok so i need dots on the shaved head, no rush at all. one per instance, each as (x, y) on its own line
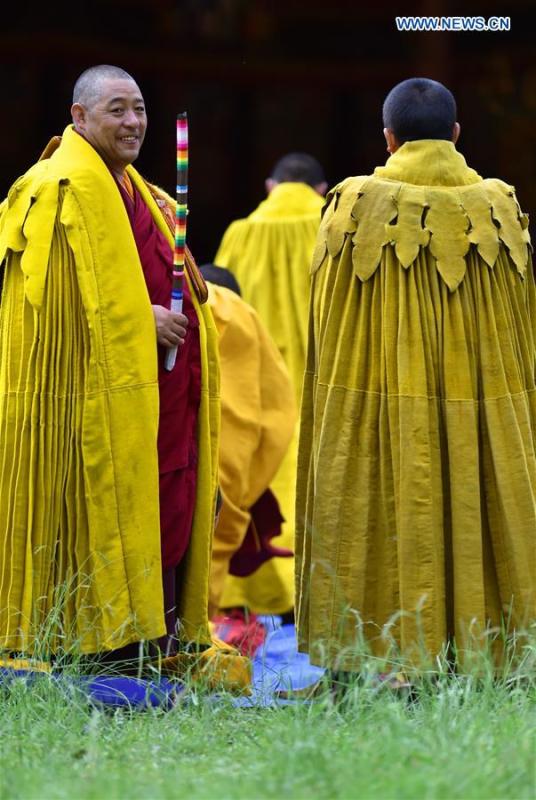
(420, 108)
(88, 86)
(109, 112)
(298, 168)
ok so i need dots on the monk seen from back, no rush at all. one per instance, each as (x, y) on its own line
(416, 507)
(270, 253)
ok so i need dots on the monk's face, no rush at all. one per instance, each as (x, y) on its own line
(115, 123)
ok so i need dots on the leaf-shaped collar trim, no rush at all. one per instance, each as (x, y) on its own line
(369, 213)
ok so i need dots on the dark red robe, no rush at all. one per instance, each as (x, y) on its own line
(180, 393)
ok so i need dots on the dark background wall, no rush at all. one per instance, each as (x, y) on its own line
(262, 77)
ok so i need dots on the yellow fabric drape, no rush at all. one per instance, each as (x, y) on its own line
(417, 467)
(270, 253)
(79, 516)
(258, 414)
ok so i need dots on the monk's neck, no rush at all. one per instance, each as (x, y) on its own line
(428, 162)
(119, 175)
(123, 179)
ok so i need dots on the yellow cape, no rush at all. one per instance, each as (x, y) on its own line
(258, 415)
(417, 462)
(270, 253)
(79, 527)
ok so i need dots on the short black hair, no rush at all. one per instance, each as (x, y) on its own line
(87, 87)
(420, 108)
(220, 276)
(298, 168)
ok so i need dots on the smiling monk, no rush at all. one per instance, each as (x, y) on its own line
(108, 469)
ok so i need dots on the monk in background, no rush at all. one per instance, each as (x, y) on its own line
(258, 415)
(270, 254)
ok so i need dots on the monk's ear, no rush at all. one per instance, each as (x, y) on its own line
(270, 184)
(456, 132)
(78, 113)
(391, 140)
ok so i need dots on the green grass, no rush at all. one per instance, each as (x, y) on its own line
(460, 739)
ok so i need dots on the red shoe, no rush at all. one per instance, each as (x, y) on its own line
(241, 630)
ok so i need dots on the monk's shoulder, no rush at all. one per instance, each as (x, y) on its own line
(496, 188)
(337, 220)
(228, 305)
(237, 227)
(36, 191)
(31, 180)
(236, 320)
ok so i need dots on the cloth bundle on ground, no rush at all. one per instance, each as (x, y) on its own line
(279, 673)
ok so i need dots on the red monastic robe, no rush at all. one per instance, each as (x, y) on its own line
(180, 393)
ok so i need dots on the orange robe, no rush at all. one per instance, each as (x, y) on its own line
(257, 423)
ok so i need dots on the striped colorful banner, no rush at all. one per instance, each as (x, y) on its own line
(180, 225)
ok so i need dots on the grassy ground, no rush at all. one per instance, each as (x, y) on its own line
(459, 739)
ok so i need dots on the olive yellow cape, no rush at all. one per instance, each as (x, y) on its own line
(270, 253)
(417, 470)
(79, 520)
(258, 415)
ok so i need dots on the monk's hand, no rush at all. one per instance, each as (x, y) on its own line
(170, 327)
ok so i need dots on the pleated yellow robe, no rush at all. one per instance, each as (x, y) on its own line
(79, 515)
(416, 489)
(258, 415)
(270, 253)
